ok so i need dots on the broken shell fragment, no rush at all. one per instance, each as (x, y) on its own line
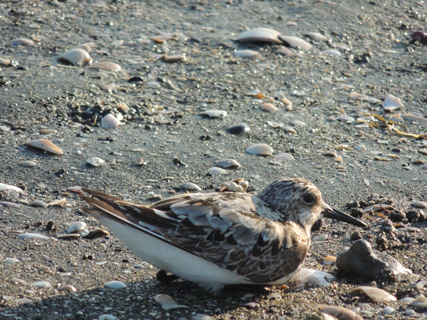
(214, 113)
(167, 302)
(268, 107)
(110, 122)
(106, 66)
(227, 163)
(45, 145)
(295, 42)
(190, 186)
(392, 103)
(260, 149)
(96, 161)
(174, 58)
(375, 294)
(260, 35)
(312, 276)
(75, 57)
(77, 227)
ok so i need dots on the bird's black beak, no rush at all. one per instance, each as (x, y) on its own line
(335, 214)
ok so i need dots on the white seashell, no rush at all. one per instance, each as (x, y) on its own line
(232, 186)
(68, 288)
(375, 294)
(214, 113)
(190, 186)
(260, 149)
(115, 285)
(227, 163)
(340, 313)
(167, 302)
(419, 204)
(296, 42)
(27, 164)
(106, 66)
(247, 54)
(268, 107)
(284, 157)
(58, 203)
(41, 284)
(260, 35)
(332, 52)
(313, 277)
(22, 42)
(216, 171)
(77, 227)
(10, 260)
(46, 145)
(38, 203)
(392, 103)
(110, 122)
(75, 57)
(95, 161)
(86, 46)
(4, 187)
(289, 129)
(33, 236)
(420, 285)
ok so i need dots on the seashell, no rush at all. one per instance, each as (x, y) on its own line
(8, 204)
(389, 310)
(361, 148)
(4, 187)
(392, 103)
(419, 204)
(247, 54)
(58, 203)
(346, 118)
(227, 163)
(420, 303)
(95, 233)
(190, 186)
(260, 149)
(332, 52)
(22, 42)
(214, 113)
(275, 124)
(45, 145)
(77, 227)
(285, 51)
(216, 171)
(86, 46)
(415, 117)
(68, 288)
(115, 285)
(33, 236)
(420, 285)
(106, 66)
(363, 97)
(27, 164)
(110, 122)
(41, 284)
(174, 58)
(338, 159)
(288, 104)
(316, 36)
(4, 61)
(330, 154)
(22, 301)
(167, 302)
(260, 35)
(284, 157)
(75, 57)
(375, 294)
(298, 123)
(289, 129)
(38, 203)
(239, 129)
(95, 162)
(312, 276)
(340, 313)
(268, 107)
(295, 42)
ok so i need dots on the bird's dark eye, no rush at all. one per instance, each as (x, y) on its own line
(309, 199)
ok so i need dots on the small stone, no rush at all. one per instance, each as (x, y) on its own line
(216, 171)
(106, 66)
(115, 285)
(75, 57)
(38, 203)
(214, 113)
(22, 42)
(10, 260)
(96, 162)
(190, 186)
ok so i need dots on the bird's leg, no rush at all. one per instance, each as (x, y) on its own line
(164, 277)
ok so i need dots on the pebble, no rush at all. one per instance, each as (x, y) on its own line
(332, 52)
(106, 66)
(41, 284)
(190, 186)
(10, 260)
(33, 236)
(389, 310)
(167, 302)
(260, 149)
(46, 145)
(23, 301)
(110, 122)
(22, 42)
(8, 204)
(38, 203)
(260, 35)
(296, 42)
(115, 285)
(268, 107)
(27, 164)
(77, 227)
(298, 123)
(216, 171)
(239, 129)
(227, 163)
(419, 204)
(213, 113)
(284, 157)
(174, 58)
(75, 57)
(316, 36)
(18, 281)
(107, 317)
(96, 162)
(375, 294)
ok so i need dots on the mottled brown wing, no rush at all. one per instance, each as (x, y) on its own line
(219, 227)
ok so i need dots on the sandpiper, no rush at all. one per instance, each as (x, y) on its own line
(221, 238)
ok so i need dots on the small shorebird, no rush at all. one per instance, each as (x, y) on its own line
(221, 238)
